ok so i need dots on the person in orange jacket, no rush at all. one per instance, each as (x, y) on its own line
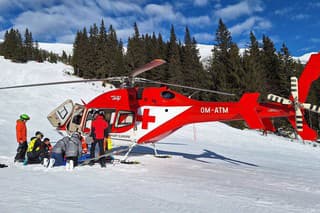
(21, 133)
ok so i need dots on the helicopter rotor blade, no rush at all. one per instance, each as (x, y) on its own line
(278, 99)
(299, 119)
(143, 80)
(53, 83)
(154, 63)
(311, 107)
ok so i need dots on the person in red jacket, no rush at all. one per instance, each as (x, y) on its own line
(99, 131)
(21, 133)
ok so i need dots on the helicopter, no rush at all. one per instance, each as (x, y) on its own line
(146, 115)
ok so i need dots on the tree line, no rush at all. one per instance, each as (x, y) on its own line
(17, 49)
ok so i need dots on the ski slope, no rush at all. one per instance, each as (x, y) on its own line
(213, 168)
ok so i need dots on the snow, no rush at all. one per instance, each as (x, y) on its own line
(304, 58)
(57, 47)
(213, 167)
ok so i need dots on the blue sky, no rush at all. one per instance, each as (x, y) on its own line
(296, 23)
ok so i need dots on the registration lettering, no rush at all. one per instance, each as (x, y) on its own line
(216, 110)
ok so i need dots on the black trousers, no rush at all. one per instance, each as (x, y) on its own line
(101, 150)
(21, 151)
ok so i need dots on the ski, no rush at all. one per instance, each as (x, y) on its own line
(114, 151)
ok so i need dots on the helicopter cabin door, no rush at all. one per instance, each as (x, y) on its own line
(76, 118)
(60, 115)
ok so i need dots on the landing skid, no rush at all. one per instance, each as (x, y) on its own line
(162, 156)
(124, 160)
(156, 153)
(129, 162)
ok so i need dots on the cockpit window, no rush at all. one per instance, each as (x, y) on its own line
(124, 118)
(167, 95)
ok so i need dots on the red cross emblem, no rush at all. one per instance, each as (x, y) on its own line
(146, 118)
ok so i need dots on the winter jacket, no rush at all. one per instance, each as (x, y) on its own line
(60, 146)
(33, 151)
(99, 129)
(34, 145)
(45, 150)
(21, 131)
(73, 147)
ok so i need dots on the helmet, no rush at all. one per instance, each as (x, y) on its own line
(77, 135)
(24, 117)
(39, 133)
(46, 139)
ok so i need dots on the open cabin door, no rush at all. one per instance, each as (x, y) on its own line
(76, 118)
(60, 115)
(67, 116)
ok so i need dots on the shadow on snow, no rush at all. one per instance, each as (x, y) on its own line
(206, 154)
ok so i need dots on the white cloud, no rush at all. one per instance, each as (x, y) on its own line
(199, 21)
(232, 12)
(166, 12)
(58, 20)
(204, 37)
(119, 7)
(244, 26)
(283, 11)
(200, 2)
(290, 13)
(315, 40)
(250, 24)
(300, 16)
(161, 12)
(66, 38)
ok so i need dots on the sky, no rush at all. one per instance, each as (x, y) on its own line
(293, 22)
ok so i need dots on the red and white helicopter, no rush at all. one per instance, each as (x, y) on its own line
(141, 115)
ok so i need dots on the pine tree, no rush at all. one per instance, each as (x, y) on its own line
(254, 78)
(270, 63)
(286, 70)
(28, 46)
(193, 72)
(114, 54)
(64, 57)
(174, 74)
(80, 60)
(221, 68)
(135, 56)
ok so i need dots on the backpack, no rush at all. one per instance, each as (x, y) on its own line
(31, 145)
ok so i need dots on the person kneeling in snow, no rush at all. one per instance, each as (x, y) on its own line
(58, 152)
(33, 151)
(45, 148)
(73, 150)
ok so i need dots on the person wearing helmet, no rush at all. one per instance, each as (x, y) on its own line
(21, 133)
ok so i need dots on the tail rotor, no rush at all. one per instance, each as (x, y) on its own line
(295, 103)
